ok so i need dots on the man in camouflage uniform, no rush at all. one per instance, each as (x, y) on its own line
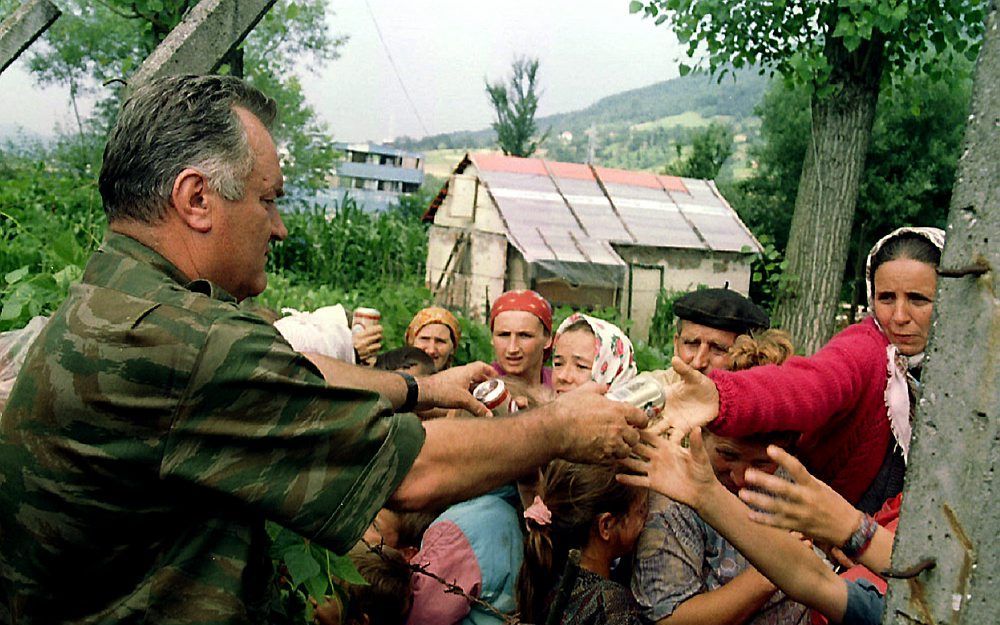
(156, 425)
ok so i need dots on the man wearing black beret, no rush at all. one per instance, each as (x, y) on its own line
(708, 322)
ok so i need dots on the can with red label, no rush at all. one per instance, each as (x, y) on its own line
(495, 396)
(365, 318)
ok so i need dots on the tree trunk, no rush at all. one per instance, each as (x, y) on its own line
(820, 234)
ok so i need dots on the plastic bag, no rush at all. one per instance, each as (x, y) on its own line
(13, 348)
(324, 331)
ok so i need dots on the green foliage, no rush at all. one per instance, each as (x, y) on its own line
(794, 39)
(515, 104)
(769, 282)
(662, 326)
(306, 571)
(910, 170)
(50, 221)
(709, 150)
(351, 247)
(766, 199)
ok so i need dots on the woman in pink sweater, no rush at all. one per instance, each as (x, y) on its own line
(852, 400)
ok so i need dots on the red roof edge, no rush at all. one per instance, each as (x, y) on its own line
(673, 183)
(487, 161)
(575, 171)
(631, 178)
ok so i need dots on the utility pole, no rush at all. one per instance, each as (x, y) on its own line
(950, 517)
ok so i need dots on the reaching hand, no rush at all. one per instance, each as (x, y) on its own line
(451, 388)
(692, 402)
(367, 342)
(595, 429)
(684, 475)
(806, 505)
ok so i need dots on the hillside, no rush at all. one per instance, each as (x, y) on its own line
(693, 93)
(636, 129)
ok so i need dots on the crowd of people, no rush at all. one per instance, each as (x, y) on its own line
(157, 423)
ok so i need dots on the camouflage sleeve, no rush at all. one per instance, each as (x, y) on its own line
(259, 424)
(669, 559)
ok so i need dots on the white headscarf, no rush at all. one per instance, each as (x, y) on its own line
(614, 357)
(897, 390)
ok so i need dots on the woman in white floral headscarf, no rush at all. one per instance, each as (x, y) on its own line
(587, 348)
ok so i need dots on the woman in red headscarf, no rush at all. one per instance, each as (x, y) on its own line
(521, 325)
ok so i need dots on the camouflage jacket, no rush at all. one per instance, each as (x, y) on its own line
(154, 427)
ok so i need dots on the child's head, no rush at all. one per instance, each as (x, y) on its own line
(402, 531)
(407, 359)
(732, 456)
(579, 506)
(587, 348)
(387, 598)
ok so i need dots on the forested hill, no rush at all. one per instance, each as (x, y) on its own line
(696, 93)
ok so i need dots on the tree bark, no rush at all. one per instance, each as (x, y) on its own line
(820, 233)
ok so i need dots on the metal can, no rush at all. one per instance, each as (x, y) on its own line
(494, 395)
(643, 391)
(365, 318)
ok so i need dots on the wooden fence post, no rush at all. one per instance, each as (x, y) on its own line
(22, 27)
(200, 43)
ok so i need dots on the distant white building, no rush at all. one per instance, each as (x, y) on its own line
(376, 175)
(580, 235)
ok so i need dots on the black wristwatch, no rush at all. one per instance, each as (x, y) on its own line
(412, 390)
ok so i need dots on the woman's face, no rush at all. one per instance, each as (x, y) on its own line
(573, 360)
(519, 342)
(903, 302)
(435, 341)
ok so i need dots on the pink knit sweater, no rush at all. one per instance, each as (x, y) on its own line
(835, 397)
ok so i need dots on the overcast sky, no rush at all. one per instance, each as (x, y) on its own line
(443, 50)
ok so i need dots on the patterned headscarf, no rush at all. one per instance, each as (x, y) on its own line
(614, 360)
(526, 301)
(901, 384)
(433, 314)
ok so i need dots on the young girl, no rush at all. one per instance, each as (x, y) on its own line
(579, 507)
(587, 348)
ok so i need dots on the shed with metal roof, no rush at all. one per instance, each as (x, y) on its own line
(583, 236)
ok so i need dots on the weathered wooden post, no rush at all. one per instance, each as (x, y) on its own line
(200, 43)
(22, 27)
(950, 511)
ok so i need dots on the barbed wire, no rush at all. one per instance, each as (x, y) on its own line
(449, 587)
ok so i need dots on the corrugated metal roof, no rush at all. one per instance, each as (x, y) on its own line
(571, 213)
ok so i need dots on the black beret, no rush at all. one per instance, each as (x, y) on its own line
(721, 309)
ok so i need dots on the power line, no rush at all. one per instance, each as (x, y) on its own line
(395, 69)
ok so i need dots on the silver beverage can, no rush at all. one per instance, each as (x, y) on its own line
(643, 391)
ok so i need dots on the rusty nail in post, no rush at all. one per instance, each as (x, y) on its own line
(979, 268)
(925, 564)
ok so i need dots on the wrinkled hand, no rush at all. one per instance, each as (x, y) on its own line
(595, 429)
(451, 388)
(684, 475)
(805, 505)
(367, 342)
(692, 402)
